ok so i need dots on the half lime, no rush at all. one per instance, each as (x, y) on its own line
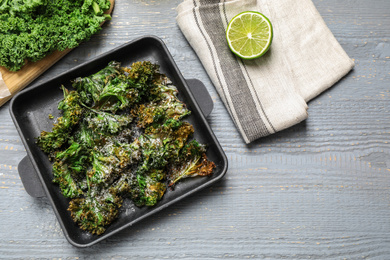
(249, 35)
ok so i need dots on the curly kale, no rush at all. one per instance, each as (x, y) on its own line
(109, 161)
(21, 6)
(191, 162)
(107, 123)
(72, 112)
(173, 133)
(121, 135)
(144, 73)
(151, 188)
(165, 106)
(90, 87)
(32, 29)
(95, 211)
(64, 176)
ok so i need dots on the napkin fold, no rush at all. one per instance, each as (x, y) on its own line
(267, 94)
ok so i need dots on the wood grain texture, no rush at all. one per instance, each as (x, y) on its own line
(18, 80)
(318, 190)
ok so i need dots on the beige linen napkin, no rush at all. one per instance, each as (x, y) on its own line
(267, 94)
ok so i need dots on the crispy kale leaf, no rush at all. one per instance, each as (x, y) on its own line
(109, 161)
(173, 133)
(72, 112)
(64, 176)
(150, 188)
(90, 87)
(32, 29)
(166, 105)
(161, 144)
(191, 162)
(95, 211)
(69, 169)
(107, 123)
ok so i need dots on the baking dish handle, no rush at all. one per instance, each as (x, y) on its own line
(30, 179)
(202, 96)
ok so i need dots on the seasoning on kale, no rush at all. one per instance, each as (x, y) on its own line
(95, 210)
(71, 114)
(191, 162)
(121, 135)
(32, 29)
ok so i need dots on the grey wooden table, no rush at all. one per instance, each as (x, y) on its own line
(318, 190)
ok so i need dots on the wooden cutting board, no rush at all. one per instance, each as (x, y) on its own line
(16, 81)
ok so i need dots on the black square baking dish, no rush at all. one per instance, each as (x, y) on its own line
(30, 109)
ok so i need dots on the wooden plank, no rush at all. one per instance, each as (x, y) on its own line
(16, 81)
